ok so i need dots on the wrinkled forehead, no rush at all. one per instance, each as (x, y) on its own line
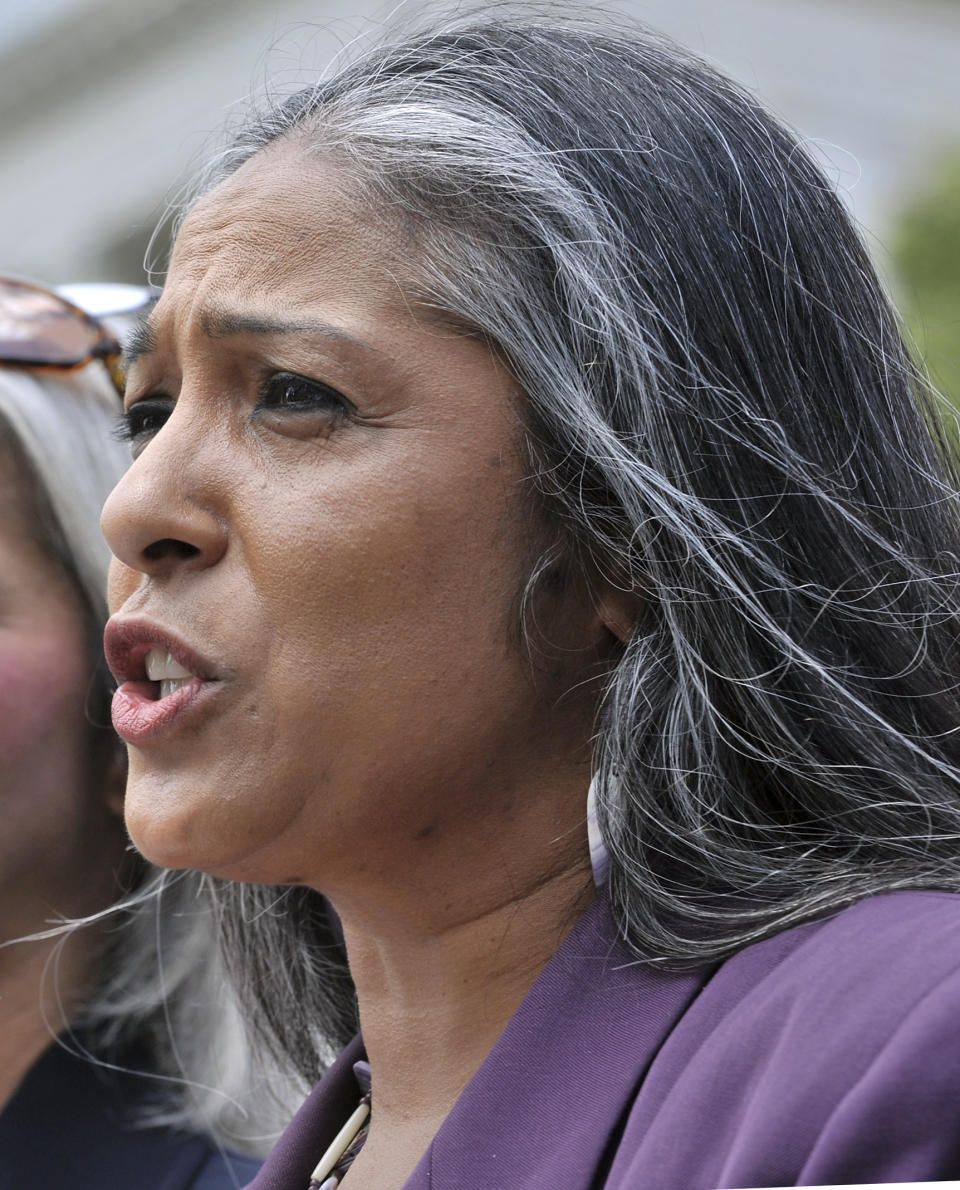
(292, 218)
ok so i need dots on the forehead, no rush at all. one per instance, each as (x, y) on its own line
(288, 223)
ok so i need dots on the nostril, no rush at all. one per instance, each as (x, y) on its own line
(170, 547)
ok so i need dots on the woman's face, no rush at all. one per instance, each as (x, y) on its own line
(60, 840)
(326, 524)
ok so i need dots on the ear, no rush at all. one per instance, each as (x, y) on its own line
(115, 780)
(618, 610)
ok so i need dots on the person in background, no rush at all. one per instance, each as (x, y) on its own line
(540, 543)
(140, 990)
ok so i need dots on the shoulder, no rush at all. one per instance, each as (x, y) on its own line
(221, 1170)
(196, 1163)
(925, 924)
(828, 1054)
(157, 1159)
(853, 975)
(856, 977)
(98, 1137)
(877, 957)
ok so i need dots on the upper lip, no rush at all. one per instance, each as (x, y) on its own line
(127, 642)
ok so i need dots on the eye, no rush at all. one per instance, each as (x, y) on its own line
(287, 391)
(142, 421)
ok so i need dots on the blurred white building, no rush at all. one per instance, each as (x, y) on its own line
(106, 104)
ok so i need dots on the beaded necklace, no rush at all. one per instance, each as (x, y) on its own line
(340, 1155)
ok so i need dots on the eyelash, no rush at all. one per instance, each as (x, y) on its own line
(318, 396)
(134, 423)
(147, 417)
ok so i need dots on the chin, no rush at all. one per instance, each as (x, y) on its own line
(168, 825)
(179, 822)
(160, 842)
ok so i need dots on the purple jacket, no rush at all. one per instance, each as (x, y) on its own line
(827, 1054)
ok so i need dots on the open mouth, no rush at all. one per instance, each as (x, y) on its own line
(164, 673)
(163, 682)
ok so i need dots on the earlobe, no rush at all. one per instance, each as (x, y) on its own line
(618, 611)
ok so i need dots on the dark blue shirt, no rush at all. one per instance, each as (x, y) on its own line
(70, 1125)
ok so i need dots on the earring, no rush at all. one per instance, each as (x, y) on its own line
(599, 858)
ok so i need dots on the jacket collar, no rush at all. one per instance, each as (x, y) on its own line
(545, 1107)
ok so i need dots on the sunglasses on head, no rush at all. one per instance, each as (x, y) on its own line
(40, 328)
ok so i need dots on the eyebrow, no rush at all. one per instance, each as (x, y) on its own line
(220, 324)
(141, 341)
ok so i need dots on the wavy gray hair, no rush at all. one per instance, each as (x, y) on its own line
(161, 989)
(722, 420)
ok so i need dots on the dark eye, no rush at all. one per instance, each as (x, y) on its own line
(142, 420)
(286, 390)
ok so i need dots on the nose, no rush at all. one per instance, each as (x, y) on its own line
(166, 514)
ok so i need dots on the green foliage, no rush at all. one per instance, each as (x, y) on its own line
(926, 255)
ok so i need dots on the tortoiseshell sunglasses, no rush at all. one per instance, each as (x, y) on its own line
(41, 329)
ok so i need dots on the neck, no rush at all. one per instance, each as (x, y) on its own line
(434, 1000)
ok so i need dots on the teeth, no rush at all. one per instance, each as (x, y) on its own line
(161, 666)
(168, 685)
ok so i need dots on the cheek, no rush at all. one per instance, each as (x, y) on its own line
(42, 685)
(382, 626)
(59, 844)
(393, 538)
(385, 597)
(38, 685)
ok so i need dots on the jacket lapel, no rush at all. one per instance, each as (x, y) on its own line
(313, 1128)
(546, 1104)
(545, 1107)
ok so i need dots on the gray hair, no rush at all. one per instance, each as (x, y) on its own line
(160, 992)
(722, 420)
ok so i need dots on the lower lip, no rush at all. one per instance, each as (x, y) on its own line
(138, 716)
